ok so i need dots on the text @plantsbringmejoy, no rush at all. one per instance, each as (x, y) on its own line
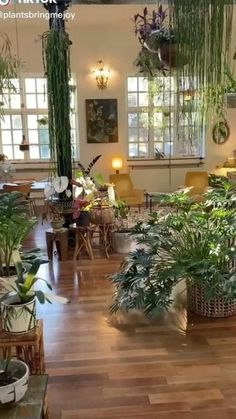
(15, 14)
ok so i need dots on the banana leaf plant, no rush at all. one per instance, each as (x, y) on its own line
(23, 288)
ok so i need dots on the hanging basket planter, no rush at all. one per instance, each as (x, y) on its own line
(24, 147)
(231, 100)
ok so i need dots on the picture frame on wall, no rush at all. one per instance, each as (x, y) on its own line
(101, 120)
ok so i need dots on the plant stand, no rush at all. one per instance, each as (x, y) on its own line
(29, 347)
(34, 403)
(105, 237)
(216, 307)
(60, 237)
(83, 239)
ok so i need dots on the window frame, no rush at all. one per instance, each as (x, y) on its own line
(25, 112)
(150, 109)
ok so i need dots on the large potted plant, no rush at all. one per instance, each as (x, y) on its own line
(15, 225)
(19, 305)
(14, 379)
(122, 239)
(195, 244)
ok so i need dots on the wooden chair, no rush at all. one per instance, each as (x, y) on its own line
(24, 189)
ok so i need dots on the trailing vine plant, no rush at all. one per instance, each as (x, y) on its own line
(8, 69)
(56, 60)
(204, 38)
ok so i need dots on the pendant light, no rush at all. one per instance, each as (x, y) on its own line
(24, 146)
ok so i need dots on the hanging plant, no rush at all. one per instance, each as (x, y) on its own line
(204, 36)
(156, 34)
(9, 66)
(56, 60)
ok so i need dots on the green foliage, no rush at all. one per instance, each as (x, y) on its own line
(9, 66)
(195, 243)
(205, 67)
(24, 288)
(56, 60)
(15, 225)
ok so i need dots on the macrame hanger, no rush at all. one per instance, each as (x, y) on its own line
(24, 146)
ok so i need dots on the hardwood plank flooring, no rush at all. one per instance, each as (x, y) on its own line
(176, 367)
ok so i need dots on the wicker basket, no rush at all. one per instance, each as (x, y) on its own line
(102, 215)
(215, 307)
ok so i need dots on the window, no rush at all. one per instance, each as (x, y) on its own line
(163, 118)
(26, 110)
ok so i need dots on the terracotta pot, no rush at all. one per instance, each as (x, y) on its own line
(169, 55)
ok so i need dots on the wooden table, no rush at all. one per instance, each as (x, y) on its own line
(33, 405)
(35, 186)
(83, 239)
(28, 346)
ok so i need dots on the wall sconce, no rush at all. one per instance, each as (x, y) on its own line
(102, 75)
(117, 164)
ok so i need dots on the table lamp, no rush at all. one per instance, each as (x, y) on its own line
(117, 164)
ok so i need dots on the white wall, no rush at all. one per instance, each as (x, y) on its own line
(106, 32)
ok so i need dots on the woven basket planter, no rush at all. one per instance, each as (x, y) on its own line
(216, 307)
(102, 215)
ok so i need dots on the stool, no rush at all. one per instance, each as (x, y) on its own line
(60, 237)
(28, 346)
(83, 239)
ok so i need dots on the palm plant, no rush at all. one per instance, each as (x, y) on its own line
(15, 225)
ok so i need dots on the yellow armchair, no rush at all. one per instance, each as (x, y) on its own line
(199, 183)
(125, 190)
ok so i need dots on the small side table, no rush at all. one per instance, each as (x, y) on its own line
(83, 239)
(29, 347)
(34, 403)
(60, 237)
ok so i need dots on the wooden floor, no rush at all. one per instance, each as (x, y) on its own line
(125, 367)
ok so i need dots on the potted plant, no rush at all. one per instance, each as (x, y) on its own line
(156, 34)
(81, 212)
(19, 305)
(56, 219)
(122, 239)
(14, 379)
(195, 245)
(15, 225)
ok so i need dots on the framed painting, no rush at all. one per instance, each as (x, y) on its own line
(101, 119)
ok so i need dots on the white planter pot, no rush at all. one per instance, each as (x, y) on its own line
(17, 317)
(122, 242)
(15, 391)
